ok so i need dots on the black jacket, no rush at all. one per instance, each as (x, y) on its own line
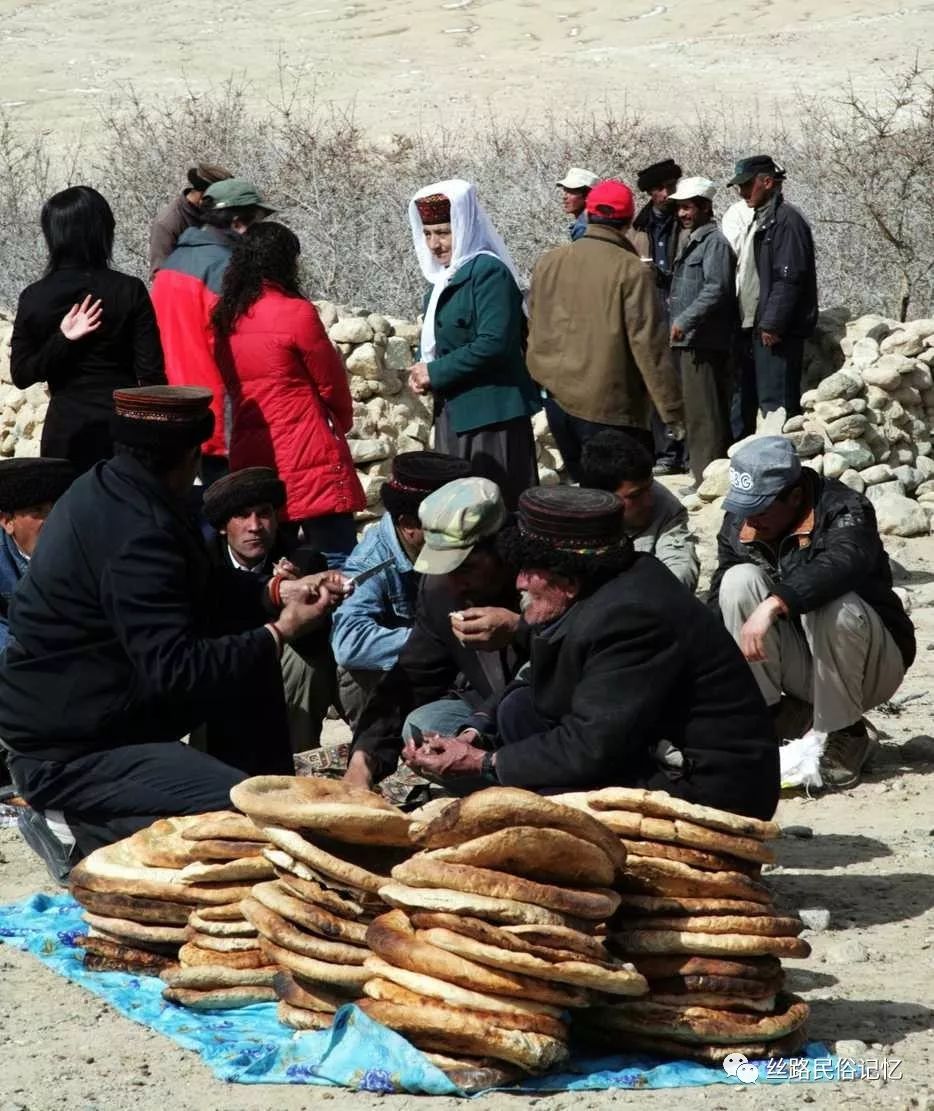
(432, 665)
(784, 249)
(639, 661)
(835, 549)
(82, 374)
(121, 634)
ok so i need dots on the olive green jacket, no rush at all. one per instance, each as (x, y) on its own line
(479, 370)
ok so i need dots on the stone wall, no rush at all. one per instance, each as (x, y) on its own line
(868, 410)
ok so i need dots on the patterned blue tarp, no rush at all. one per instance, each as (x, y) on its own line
(249, 1045)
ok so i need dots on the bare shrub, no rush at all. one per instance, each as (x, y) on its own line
(346, 195)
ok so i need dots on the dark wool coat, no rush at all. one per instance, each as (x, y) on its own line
(787, 270)
(639, 661)
(82, 374)
(122, 633)
(433, 664)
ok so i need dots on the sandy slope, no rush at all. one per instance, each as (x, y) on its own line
(405, 60)
(870, 862)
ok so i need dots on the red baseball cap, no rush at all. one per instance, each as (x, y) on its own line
(611, 199)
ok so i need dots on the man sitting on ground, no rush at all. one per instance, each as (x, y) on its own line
(631, 682)
(28, 490)
(653, 518)
(373, 624)
(804, 586)
(122, 642)
(244, 509)
(449, 665)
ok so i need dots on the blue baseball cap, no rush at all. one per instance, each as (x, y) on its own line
(759, 472)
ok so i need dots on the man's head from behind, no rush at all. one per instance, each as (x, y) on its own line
(163, 428)
(28, 490)
(415, 475)
(611, 203)
(566, 543)
(616, 462)
(766, 486)
(233, 204)
(460, 523)
(244, 507)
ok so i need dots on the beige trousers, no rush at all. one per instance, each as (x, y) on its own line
(840, 657)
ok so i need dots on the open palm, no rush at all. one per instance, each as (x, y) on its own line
(81, 320)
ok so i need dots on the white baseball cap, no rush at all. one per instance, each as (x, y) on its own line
(690, 187)
(576, 178)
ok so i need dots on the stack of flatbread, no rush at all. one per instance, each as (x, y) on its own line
(141, 893)
(497, 931)
(697, 921)
(331, 847)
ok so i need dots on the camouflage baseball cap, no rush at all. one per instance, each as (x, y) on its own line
(455, 519)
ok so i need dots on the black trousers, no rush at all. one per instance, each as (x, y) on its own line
(769, 379)
(503, 452)
(108, 795)
(571, 433)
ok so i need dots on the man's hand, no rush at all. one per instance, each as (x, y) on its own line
(770, 339)
(753, 633)
(677, 334)
(443, 756)
(286, 569)
(359, 772)
(309, 588)
(488, 628)
(81, 320)
(419, 382)
(302, 615)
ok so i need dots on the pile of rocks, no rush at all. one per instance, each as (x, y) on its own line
(869, 423)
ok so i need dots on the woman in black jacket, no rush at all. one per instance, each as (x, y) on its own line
(84, 329)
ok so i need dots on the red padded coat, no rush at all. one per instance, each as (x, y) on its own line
(290, 405)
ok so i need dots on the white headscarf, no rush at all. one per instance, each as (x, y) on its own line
(472, 233)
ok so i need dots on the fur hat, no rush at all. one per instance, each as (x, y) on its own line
(236, 492)
(162, 416)
(415, 475)
(658, 174)
(28, 482)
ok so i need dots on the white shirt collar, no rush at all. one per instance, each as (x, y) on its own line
(257, 570)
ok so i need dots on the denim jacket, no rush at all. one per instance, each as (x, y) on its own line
(703, 291)
(13, 566)
(373, 624)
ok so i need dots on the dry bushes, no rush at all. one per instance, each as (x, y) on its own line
(857, 170)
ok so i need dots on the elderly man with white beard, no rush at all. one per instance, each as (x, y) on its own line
(630, 682)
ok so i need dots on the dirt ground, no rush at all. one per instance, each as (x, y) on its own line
(447, 60)
(869, 862)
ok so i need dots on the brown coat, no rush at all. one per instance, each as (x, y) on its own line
(597, 339)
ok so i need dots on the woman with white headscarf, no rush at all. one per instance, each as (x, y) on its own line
(472, 358)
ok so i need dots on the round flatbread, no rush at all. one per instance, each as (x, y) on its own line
(273, 927)
(161, 844)
(94, 962)
(703, 1024)
(300, 993)
(638, 906)
(546, 855)
(713, 945)
(327, 806)
(718, 1002)
(628, 1041)
(392, 937)
(450, 994)
(697, 858)
(744, 968)
(120, 958)
(193, 956)
(437, 1028)
(612, 979)
(220, 944)
(147, 932)
(298, 1018)
(209, 977)
(239, 928)
(153, 911)
(422, 871)
(507, 939)
(656, 876)
(499, 808)
(226, 912)
(388, 992)
(506, 911)
(317, 895)
(340, 873)
(659, 804)
(561, 937)
(688, 986)
(252, 869)
(211, 852)
(347, 976)
(764, 924)
(475, 1074)
(313, 918)
(223, 825)
(219, 999)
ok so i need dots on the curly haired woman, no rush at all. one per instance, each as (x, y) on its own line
(290, 401)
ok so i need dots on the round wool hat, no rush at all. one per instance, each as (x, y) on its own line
(28, 482)
(415, 475)
(658, 174)
(237, 492)
(162, 416)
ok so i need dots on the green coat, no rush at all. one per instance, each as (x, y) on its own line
(479, 370)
